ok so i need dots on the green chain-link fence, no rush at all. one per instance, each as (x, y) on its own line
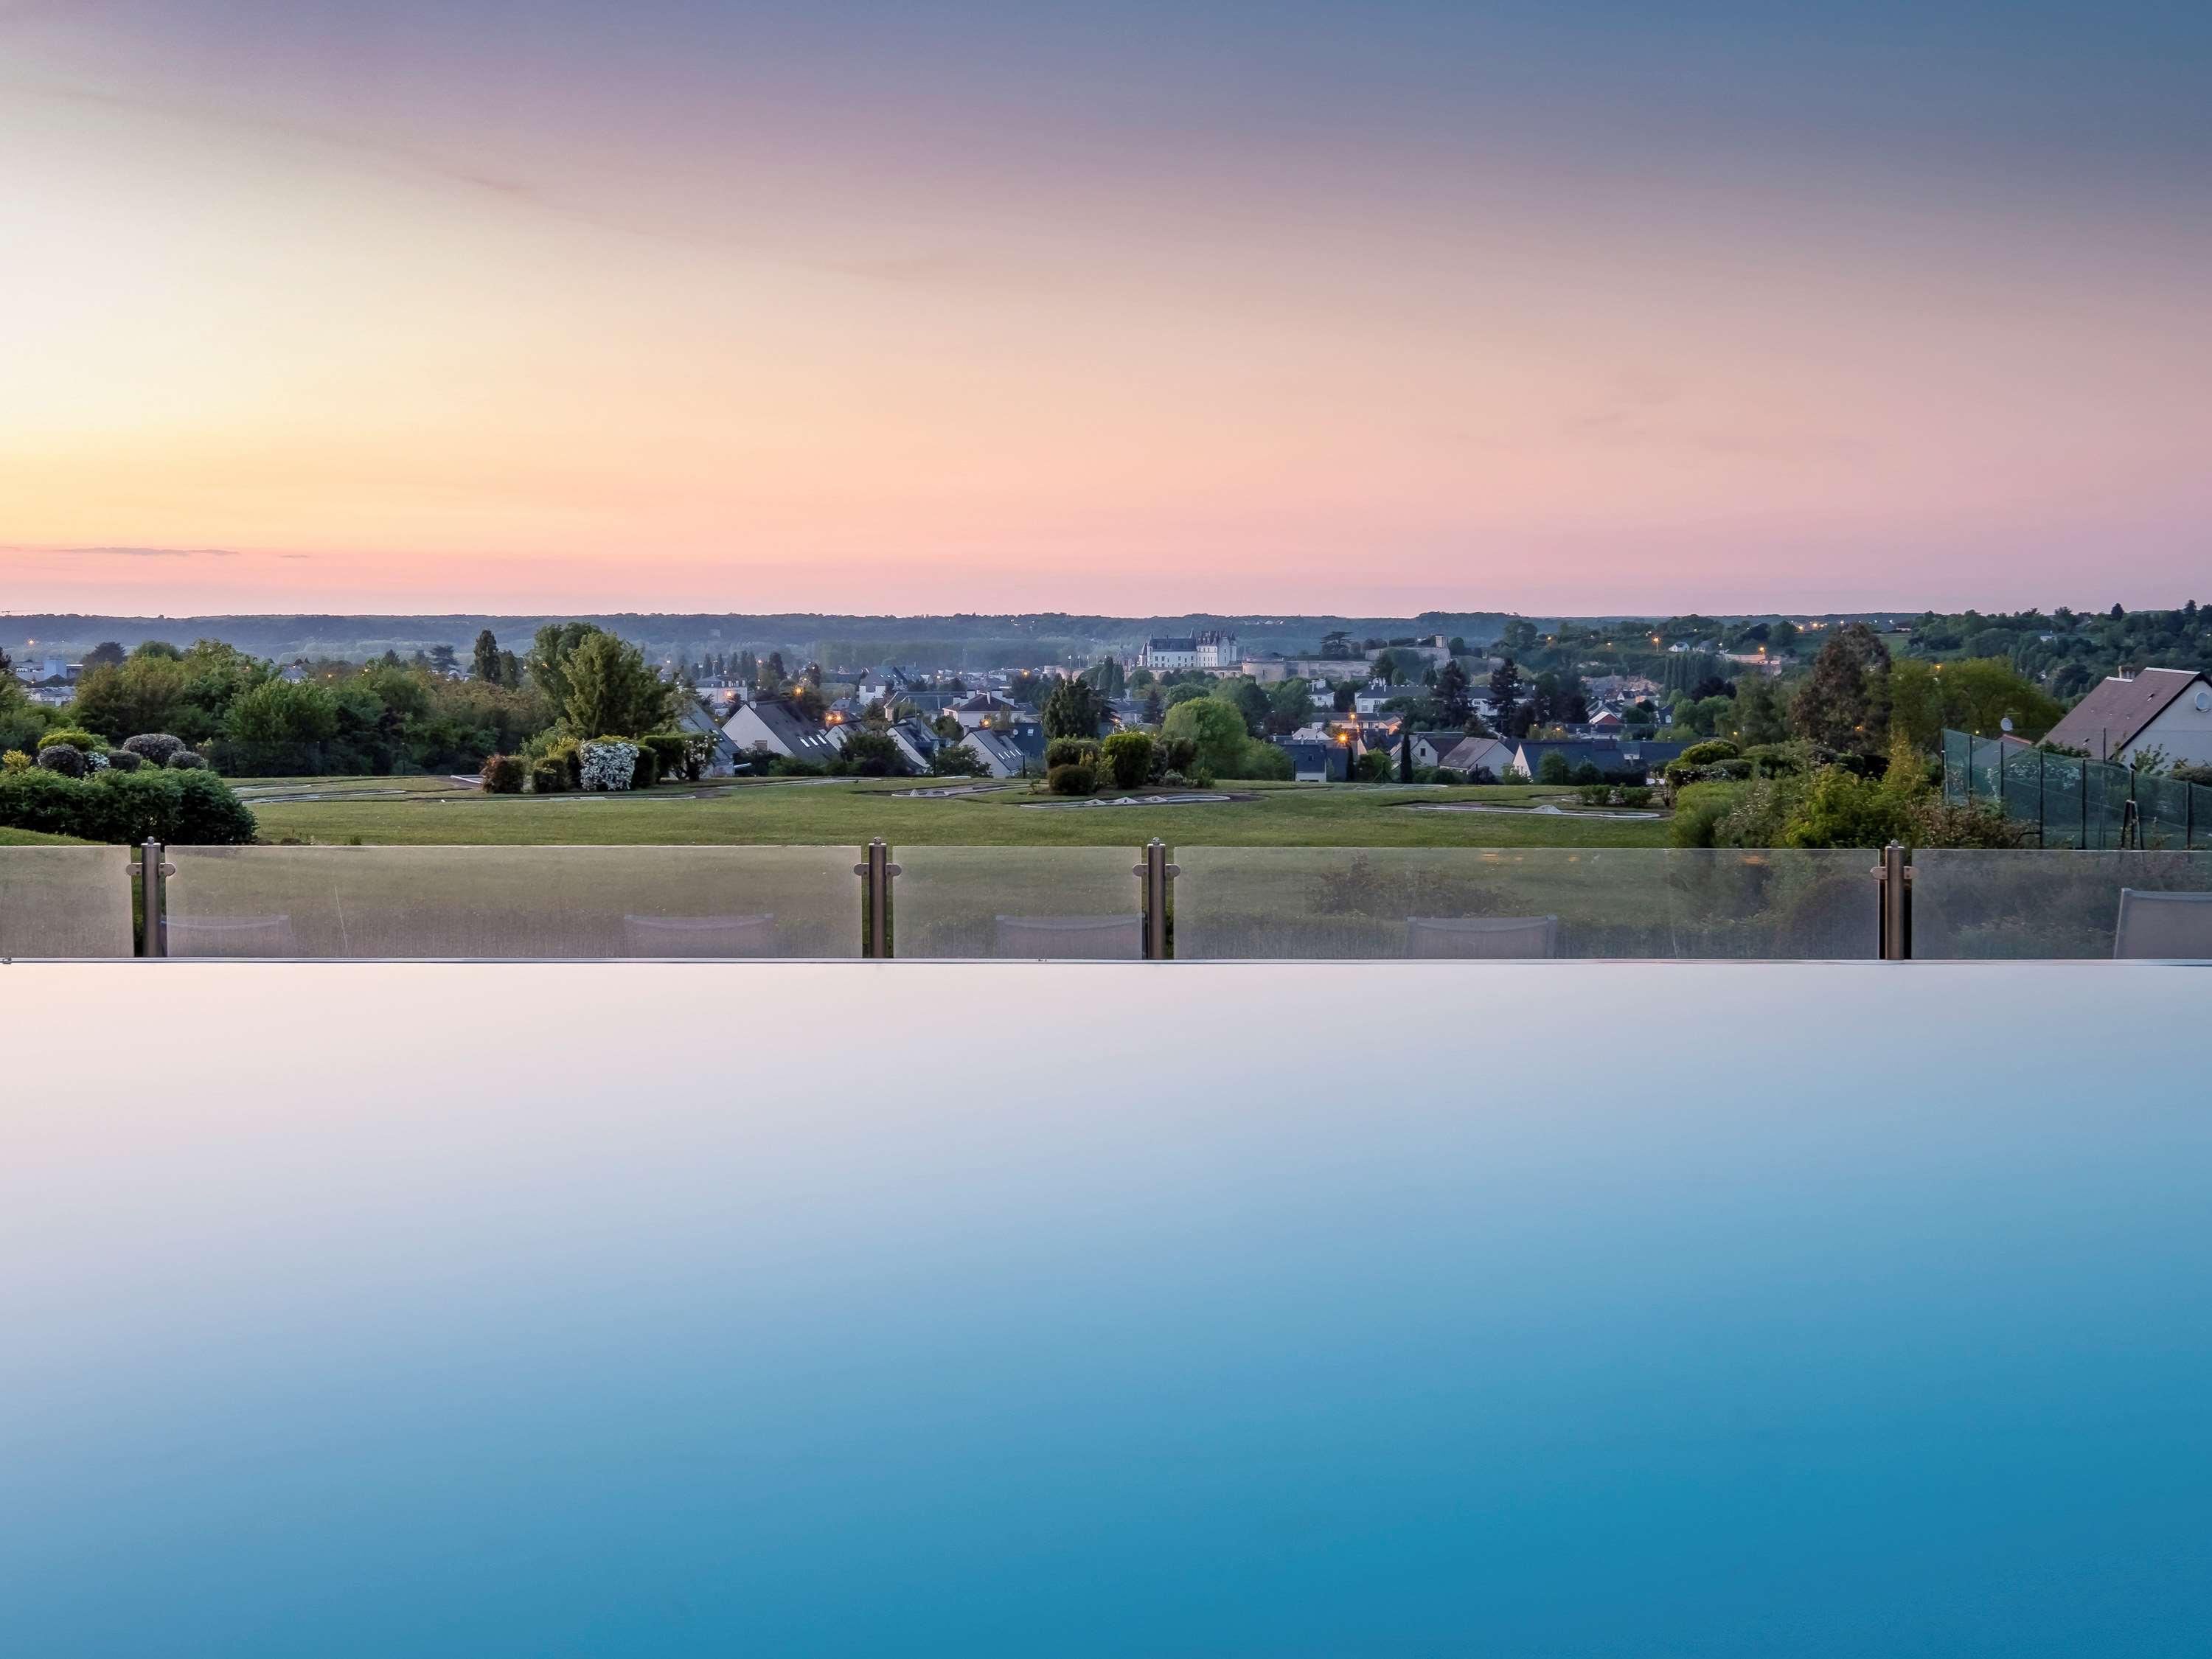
(2070, 802)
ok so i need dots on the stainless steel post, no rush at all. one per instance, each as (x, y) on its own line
(1896, 877)
(153, 923)
(1153, 875)
(876, 873)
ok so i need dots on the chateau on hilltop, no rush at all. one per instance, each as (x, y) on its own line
(1207, 650)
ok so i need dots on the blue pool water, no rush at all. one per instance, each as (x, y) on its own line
(353, 1310)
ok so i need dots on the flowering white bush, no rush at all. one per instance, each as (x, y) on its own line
(608, 764)
(95, 762)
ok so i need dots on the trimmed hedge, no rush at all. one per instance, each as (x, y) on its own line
(674, 755)
(184, 760)
(64, 758)
(1128, 758)
(1076, 779)
(155, 748)
(187, 809)
(502, 775)
(1070, 752)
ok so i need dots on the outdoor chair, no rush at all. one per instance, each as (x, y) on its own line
(1072, 938)
(2168, 926)
(231, 936)
(699, 936)
(1482, 938)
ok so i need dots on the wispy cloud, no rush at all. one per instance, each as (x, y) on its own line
(140, 552)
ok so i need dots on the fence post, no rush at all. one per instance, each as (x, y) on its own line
(875, 873)
(1153, 875)
(1894, 880)
(153, 923)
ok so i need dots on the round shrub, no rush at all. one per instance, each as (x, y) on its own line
(608, 764)
(76, 737)
(186, 760)
(1711, 750)
(1070, 752)
(208, 814)
(65, 758)
(155, 748)
(1076, 780)
(15, 760)
(502, 775)
(123, 760)
(1128, 758)
(549, 774)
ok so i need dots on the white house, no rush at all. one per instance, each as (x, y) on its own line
(779, 729)
(2166, 709)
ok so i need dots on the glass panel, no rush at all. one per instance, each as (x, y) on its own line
(1984, 905)
(65, 901)
(1984, 769)
(1030, 902)
(514, 902)
(2106, 791)
(1342, 903)
(2023, 774)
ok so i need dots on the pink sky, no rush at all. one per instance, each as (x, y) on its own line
(572, 324)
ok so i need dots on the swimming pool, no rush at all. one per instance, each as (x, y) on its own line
(775, 1308)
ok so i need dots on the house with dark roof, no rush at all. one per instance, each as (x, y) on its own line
(771, 726)
(986, 708)
(2166, 709)
(1317, 760)
(1009, 751)
(1616, 762)
(917, 743)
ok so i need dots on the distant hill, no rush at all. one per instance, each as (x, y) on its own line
(966, 639)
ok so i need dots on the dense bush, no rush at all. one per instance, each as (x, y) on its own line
(503, 775)
(608, 764)
(190, 809)
(645, 768)
(1269, 760)
(871, 755)
(1127, 756)
(1698, 809)
(674, 756)
(1071, 751)
(155, 748)
(76, 737)
(122, 760)
(1449, 775)
(957, 761)
(1072, 780)
(184, 760)
(1553, 768)
(549, 774)
(15, 760)
(1215, 729)
(1713, 749)
(65, 758)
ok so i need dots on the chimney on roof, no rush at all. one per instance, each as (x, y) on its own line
(2126, 671)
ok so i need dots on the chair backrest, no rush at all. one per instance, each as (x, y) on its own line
(1482, 938)
(1072, 938)
(2163, 927)
(231, 936)
(699, 936)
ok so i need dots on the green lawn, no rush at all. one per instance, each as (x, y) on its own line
(33, 838)
(429, 812)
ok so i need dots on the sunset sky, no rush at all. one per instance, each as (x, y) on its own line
(1143, 308)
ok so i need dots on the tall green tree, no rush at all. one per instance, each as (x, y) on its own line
(612, 691)
(1455, 697)
(486, 658)
(1843, 704)
(1072, 709)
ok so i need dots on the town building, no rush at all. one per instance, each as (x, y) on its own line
(1208, 650)
(2136, 711)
